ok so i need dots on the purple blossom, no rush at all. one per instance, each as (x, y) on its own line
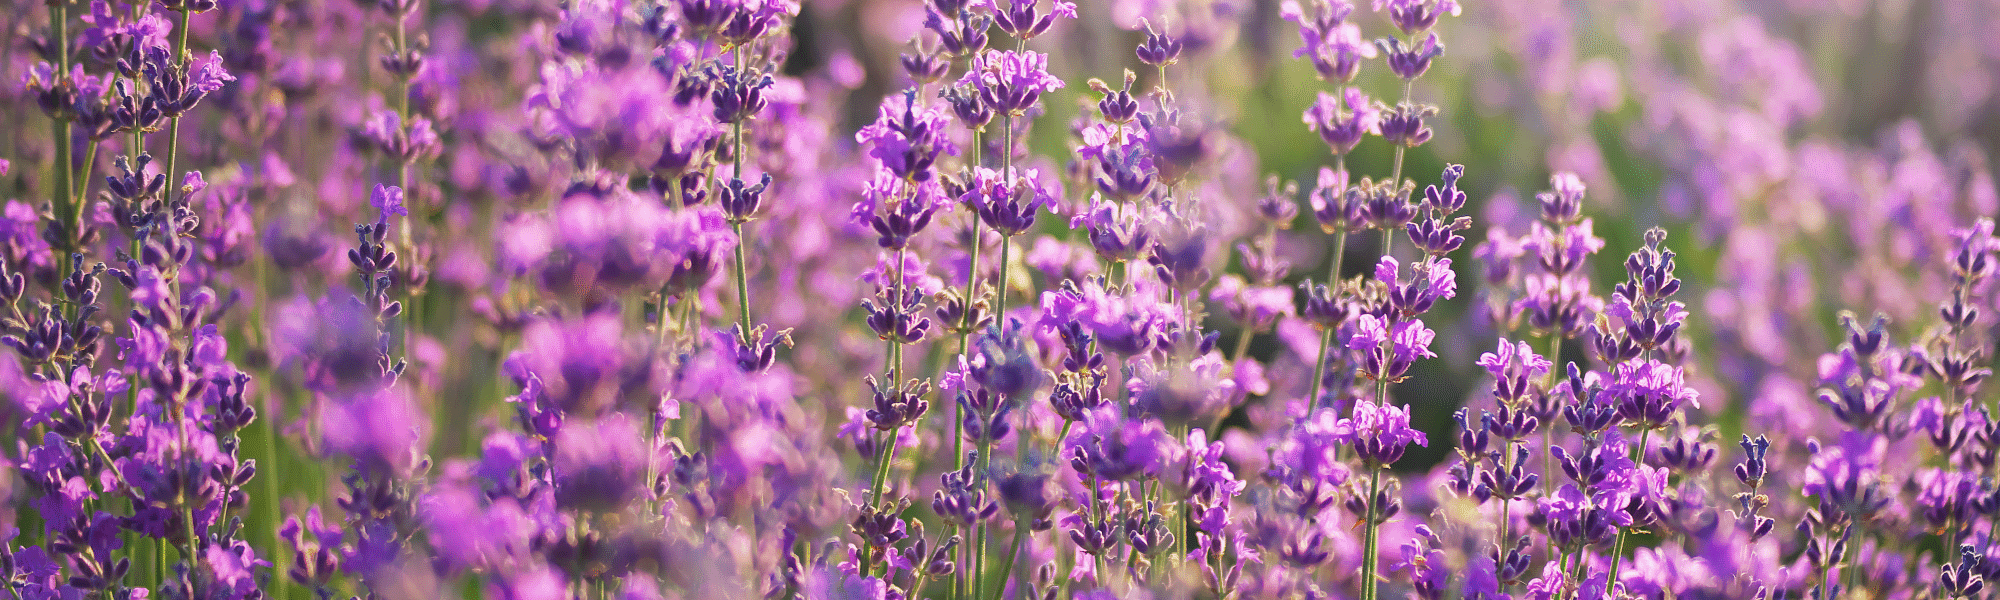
(1011, 82)
(1379, 432)
(1389, 348)
(1515, 368)
(1343, 120)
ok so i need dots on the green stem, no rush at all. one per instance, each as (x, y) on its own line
(1007, 154)
(82, 176)
(1000, 302)
(979, 556)
(66, 211)
(742, 284)
(1396, 178)
(174, 125)
(1014, 562)
(1326, 336)
(1368, 590)
(742, 268)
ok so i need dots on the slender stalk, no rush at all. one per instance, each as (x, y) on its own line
(742, 284)
(1000, 302)
(1557, 366)
(882, 458)
(1014, 563)
(82, 176)
(1326, 336)
(65, 210)
(1007, 154)
(1396, 178)
(174, 125)
(979, 555)
(1368, 590)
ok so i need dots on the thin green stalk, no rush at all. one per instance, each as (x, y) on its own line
(82, 176)
(1555, 360)
(882, 458)
(174, 125)
(1014, 563)
(742, 284)
(1368, 590)
(1396, 177)
(1007, 153)
(742, 264)
(1326, 336)
(66, 211)
(979, 556)
(1000, 302)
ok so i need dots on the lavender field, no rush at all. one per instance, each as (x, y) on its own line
(999, 299)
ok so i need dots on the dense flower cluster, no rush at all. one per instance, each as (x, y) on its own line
(891, 299)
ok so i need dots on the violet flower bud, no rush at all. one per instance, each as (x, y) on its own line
(738, 95)
(1341, 121)
(963, 33)
(1410, 62)
(1564, 203)
(1403, 125)
(1159, 49)
(1417, 16)
(1961, 580)
(1011, 82)
(741, 201)
(1117, 106)
(897, 406)
(1021, 20)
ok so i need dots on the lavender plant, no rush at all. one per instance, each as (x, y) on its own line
(979, 300)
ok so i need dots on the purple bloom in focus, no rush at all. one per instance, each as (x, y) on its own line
(1650, 393)
(1515, 368)
(1335, 46)
(1343, 120)
(1379, 432)
(1011, 82)
(1008, 206)
(1388, 349)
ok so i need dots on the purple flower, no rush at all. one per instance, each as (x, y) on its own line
(1334, 45)
(584, 365)
(1379, 432)
(1111, 447)
(1410, 62)
(1415, 16)
(599, 465)
(1563, 204)
(1650, 393)
(1306, 458)
(1011, 82)
(1431, 281)
(1008, 206)
(1515, 368)
(1255, 306)
(389, 200)
(383, 431)
(1845, 476)
(1389, 349)
(1118, 232)
(232, 568)
(1343, 120)
(1021, 20)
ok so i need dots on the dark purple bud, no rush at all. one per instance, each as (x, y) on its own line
(1159, 49)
